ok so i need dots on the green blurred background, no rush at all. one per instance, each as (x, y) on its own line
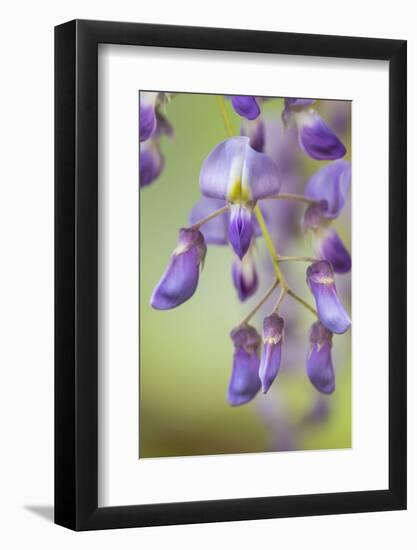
(186, 353)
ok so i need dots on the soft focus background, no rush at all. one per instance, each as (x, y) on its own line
(186, 353)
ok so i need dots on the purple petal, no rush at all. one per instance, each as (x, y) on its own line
(147, 116)
(296, 103)
(319, 361)
(180, 280)
(235, 172)
(240, 229)
(273, 332)
(215, 230)
(331, 184)
(329, 246)
(244, 383)
(316, 139)
(330, 310)
(151, 163)
(245, 277)
(246, 106)
(255, 131)
(314, 215)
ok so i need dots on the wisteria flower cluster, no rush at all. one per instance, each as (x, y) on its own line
(239, 182)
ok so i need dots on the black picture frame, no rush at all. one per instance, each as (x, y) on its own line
(76, 272)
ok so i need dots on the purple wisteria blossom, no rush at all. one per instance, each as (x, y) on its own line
(244, 383)
(329, 246)
(253, 198)
(319, 360)
(272, 336)
(151, 162)
(180, 280)
(246, 106)
(245, 277)
(329, 187)
(235, 172)
(332, 314)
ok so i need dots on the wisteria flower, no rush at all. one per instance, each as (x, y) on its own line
(151, 162)
(332, 314)
(315, 137)
(235, 172)
(329, 246)
(180, 280)
(245, 277)
(330, 186)
(147, 115)
(272, 336)
(244, 383)
(319, 360)
(255, 131)
(246, 106)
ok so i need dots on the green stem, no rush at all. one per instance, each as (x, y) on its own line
(260, 303)
(297, 259)
(226, 120)
(206, 219)
(292, 197)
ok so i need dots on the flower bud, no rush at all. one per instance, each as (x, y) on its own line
(319, 361)
(316, 139)
(329, 246)
(320, 279)
(272, 336)
(244, 383)
(151, 162)
(180, 280)
(245, 277)
(246, 106)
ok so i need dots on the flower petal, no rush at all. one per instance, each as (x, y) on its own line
(246, 106)
(329, 246)
(331, 184)
(215, 230)
(330, 310)
(151, 163)
(316, 139)
(319, 360)
(147, 116)
(241, 229)
(245, 277)
(180, 280)
(235, 172)
(244, 383)
(255, 131)
(273, 332)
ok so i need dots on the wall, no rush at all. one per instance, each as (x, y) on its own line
(26, 300)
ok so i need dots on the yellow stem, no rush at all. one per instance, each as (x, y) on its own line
(226, 120)
(209, 217)
(270, 246)
(260, 303)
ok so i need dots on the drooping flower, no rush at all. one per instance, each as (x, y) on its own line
(245, 277)
(272, 336)
(235, 172)
(320, 279)
(147, 115)
(180, 280)
(316, 139)
(255, 131)
(246, 106)
(244, 383)
(151, 162)
(329, 246)
(330, 186)
(319, 360)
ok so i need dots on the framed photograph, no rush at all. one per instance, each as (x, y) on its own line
(230, 248)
